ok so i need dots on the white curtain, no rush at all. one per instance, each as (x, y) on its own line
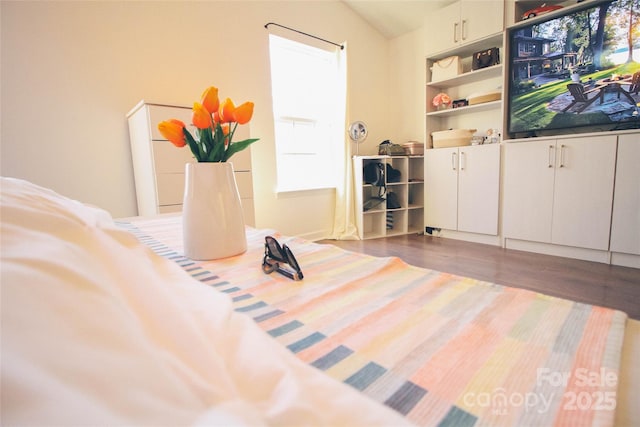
(344, 224)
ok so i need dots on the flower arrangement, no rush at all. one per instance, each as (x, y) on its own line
(441, 100)
(215, 123)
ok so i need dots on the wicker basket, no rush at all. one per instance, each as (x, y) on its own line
(413, 148)
(452, 138)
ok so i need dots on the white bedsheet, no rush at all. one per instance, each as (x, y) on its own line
(98, 330)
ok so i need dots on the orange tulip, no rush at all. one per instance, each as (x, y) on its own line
(201, 117)
(243, 113)
(226, 111)
(225, 132)
(172, 129)
(210, 99)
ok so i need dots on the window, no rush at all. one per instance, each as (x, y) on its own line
(308, 103)
(527, 49)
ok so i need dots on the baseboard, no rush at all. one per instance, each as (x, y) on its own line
(625, 260)
(557, 250)
(469, 237)
(605, 257)
(316, 235)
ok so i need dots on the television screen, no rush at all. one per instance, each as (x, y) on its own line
(576, 72)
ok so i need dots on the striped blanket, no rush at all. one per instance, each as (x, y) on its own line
(438, 348)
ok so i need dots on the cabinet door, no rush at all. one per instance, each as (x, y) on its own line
(481, 19)
(478, 189)
(625, 223)
(528, 190)
(441, 188)
(443, 29)
(584, 191)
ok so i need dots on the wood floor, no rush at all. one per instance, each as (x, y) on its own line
(589, 282)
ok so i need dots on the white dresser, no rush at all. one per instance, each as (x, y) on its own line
(158, 166)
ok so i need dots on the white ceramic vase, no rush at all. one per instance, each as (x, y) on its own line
(212, 220)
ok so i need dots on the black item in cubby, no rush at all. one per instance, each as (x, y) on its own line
(392, 201)
(393, 175)
(373, 174)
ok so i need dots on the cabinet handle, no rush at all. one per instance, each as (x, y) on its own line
(462, 160)
(463, 33)
(455, 32)
(453, 161)
(550, 162)
(562, 155)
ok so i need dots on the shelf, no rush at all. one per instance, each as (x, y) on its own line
(468, 109)
(522, 6)
(374, 210)
(470, 48)
(470, 77)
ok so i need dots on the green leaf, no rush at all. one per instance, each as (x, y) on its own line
(237, 147)
(232, 131)
(217, 154)
(193, 145)
(217, 145)
(206, 140)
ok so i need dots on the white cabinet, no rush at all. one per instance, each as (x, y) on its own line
(560, 191)
(625, 222)
(463, 184)
(528, 190)
(463, 22)
(377, 220)
(443, 28)
(158, 166)
(441, 188)
(462, 188)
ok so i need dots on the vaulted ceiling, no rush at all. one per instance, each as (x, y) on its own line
(394, 18)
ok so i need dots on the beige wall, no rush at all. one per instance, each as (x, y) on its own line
(407, 82)
(72, 70)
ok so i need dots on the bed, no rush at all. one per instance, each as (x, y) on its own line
(106, 322)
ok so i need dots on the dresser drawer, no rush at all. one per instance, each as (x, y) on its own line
(242, 160)
(169, 209)
(170, 188)
(170, 159)
(248, 212)
(245, 184)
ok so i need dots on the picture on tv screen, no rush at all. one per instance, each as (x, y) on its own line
(577, 70)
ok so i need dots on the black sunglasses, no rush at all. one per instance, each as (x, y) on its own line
(276, 255)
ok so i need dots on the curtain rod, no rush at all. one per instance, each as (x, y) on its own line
(308, 35)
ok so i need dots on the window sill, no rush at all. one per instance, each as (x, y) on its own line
(284, 193)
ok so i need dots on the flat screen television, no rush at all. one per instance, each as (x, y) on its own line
(574, 71)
